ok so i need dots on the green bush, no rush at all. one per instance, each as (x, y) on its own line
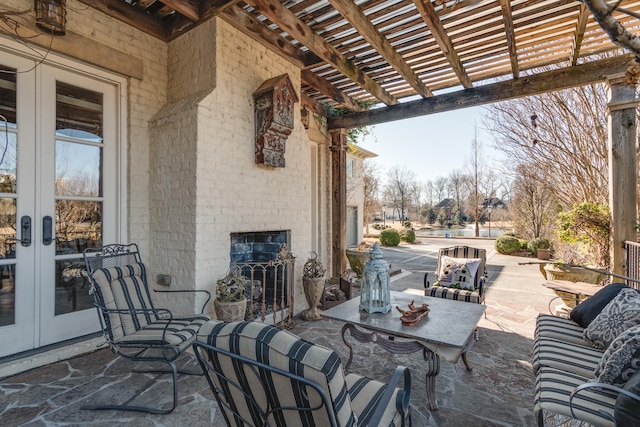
(507, 244)
(390, 238)
(406, 224)
(538, 243)
(524, 244)
(509, 233)
(408, 235)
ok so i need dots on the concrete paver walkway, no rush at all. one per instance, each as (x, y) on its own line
(498, 392)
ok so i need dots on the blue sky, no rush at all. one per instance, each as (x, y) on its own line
(431, 146)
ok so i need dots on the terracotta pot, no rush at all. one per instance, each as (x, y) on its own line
(544, 254)
(313, 289)
(230, 311)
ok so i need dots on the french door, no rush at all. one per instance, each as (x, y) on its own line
(58, 181)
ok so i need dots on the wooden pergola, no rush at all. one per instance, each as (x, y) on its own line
(417, 57)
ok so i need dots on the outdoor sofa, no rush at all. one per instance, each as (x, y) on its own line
(587, 367)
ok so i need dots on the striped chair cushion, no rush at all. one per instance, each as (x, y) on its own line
(180, 333)
(565, 356)
(559, 328)
(553, 388)
(365, 394)
(280, 349)
(453, 294)
(124, 288)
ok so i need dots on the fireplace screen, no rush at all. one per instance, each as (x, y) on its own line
(263, 257)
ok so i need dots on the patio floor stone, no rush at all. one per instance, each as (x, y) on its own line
(498, 392)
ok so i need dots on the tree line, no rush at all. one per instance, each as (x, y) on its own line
(555, 167)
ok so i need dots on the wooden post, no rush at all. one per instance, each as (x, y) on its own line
(622, 167)
(338, 201)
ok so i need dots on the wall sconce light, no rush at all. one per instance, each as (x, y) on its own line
(51, 16)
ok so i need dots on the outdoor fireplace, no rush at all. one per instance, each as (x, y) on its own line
(264, 258)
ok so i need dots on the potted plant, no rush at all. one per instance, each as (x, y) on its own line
(313, 286)
(540, 247)
(231, 303)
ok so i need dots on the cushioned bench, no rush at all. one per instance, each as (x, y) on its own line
(578, 382)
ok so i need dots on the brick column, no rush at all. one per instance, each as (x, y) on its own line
(338, 201)
(622, 167)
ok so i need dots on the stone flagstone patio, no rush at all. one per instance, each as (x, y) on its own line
(498, 392)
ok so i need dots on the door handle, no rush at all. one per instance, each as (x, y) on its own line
(25, 231)
(47, 230)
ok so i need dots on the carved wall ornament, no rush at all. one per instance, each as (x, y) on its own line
(274, 103)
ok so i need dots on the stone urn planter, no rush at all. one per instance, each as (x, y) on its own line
(230, 304)
(230, 311)
(313, 287)
(572, 274)
(357, 259)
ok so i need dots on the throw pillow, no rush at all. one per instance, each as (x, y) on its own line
(584, 313)
(458, 272)
(620, 314)
(621, 359)
(627, 410)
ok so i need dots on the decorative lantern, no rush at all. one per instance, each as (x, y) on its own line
(375, 296)
(51, 16)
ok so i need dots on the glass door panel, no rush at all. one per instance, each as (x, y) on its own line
(17, 150)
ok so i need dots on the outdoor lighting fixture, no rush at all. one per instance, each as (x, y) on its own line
(375, 296)
(51, 16)
(384, 215)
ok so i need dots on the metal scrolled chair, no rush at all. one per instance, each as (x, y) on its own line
(264, 376)
(132, 326)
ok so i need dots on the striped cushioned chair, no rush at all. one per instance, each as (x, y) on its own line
(261, 375)
(131, 325)
(480, 279)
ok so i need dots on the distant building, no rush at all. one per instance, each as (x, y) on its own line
(355, 193)
(449, 205)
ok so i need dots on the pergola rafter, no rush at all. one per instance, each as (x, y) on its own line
(381, 51)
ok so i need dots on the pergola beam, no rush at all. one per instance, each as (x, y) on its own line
(184, 7)
(130, 15)
(352, 13)
(288, 22)
(325, 87)
(258, 30)
(581, 25)
(431, 18)
(507, 18)
(578, 75)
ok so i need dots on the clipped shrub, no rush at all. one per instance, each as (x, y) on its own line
(538, 243)
(507, 244)
(524, 244)
(406, 224)
(408, 235)
(389, 237)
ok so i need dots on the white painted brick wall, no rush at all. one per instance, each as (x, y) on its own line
(235, 194)
(190, 172)
(145, 98)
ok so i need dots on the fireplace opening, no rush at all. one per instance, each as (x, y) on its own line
(264, 258)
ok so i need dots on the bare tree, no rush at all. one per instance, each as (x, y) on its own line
(440, 187)
(475, 170)
(563, 135)
(456, 182)
(534, 205)
(371, 182)
(400, 189)
(429, 192)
